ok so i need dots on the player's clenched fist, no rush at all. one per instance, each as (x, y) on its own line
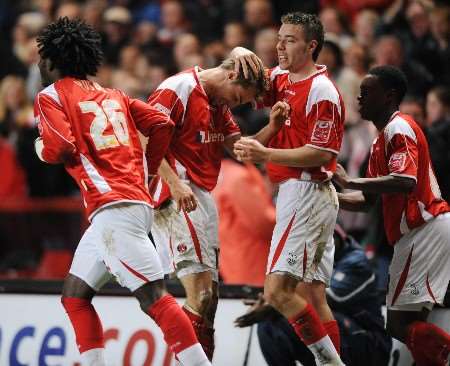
(279, 113)
(247, 149)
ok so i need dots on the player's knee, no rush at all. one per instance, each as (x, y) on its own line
(277, 298)
(150, 293)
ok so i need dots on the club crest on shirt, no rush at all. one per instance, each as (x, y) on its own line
(397, 162)
(321, 132)
(181, 248)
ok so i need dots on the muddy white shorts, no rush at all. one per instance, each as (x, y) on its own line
(117, 244)
(420, 268)
(302, 242)
(188, 243)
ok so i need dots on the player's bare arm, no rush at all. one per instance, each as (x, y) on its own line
(384, 184)
(229, 144)
(245, 58)
(278, 115)
(356, 201)
(304, 157)
(181, 192)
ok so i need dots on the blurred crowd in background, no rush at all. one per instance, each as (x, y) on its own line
(146, 41)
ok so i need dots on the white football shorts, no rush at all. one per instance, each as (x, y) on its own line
(117, 244)
(420, 268)
(302, 241)
(188, 243)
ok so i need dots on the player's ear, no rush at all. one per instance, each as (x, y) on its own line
(232, 75)
(312, 46)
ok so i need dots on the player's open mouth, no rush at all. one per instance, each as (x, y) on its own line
(282, 58)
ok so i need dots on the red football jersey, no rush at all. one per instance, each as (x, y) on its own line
(402, 149)
(316, 120)
(94, 132)
(196, 149)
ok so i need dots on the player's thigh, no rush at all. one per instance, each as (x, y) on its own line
(163, 244)
(88, 267)
(195, 238)
(125, 246)
(419, 271)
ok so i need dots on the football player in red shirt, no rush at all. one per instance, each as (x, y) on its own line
(186, 228)
(416, 218)
(93, 131)
(301, 158)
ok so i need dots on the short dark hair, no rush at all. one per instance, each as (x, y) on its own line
(312, 27)
(72, 47)
(257, 81)
(391, 77)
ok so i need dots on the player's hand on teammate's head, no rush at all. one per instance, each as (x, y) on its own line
(279, 113)
(259, 310)
(340, 177)
(247, 59)
(247, 149)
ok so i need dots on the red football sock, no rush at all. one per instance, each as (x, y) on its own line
(429, 344)
(205, 334)
(85, 323)
(332, 329)
(174, 323)
(307, 325)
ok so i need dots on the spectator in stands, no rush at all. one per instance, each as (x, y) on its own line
(132, 74)
(345, 78)
(15, 109)
(440, 28)
(173, 22)
(364, 27)
(116, 29)
(438, 135)
(244, 202)
(235, 34)
(414, 106)
(13, 183)
(70, 8)
(186, 45)
(389, 51)
(265, 46)
(410, 22)
(258, 14)
(335, 22)
(356, 305)
(92, 12)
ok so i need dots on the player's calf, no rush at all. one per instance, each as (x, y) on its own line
(88, 330)
(76, 300)
(175, 325)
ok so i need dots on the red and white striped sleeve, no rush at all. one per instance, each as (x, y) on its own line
(57, 140)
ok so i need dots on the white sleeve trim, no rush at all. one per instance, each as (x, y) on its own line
(398, 126)
(49, 124)
(323, 148)
(322, 89)
(404, 175)
(38, 147)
